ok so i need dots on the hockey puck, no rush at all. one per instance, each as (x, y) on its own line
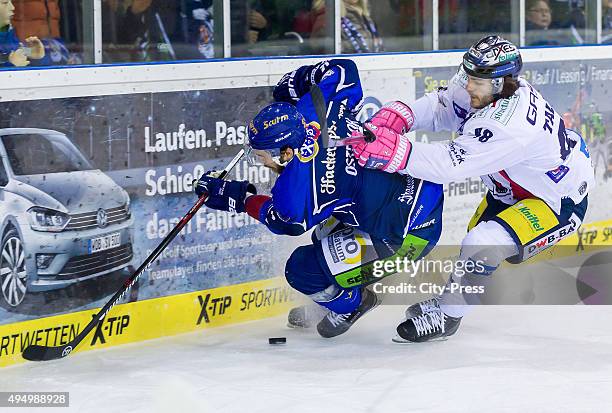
(277, 340)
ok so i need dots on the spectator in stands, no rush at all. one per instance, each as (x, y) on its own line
(200, 28)
(539, 18)
(41, 18)
(287, 19)
(134, 30)
(248, 25)
(539, 15)
(12, 51)
(257, 23)
(359, 32)
(607, 20)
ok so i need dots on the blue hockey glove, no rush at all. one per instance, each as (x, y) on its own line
(294, 85)
(224, 195)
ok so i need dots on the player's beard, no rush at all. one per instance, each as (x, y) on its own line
(479, 102)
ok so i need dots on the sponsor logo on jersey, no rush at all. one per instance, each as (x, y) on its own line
(464, 121)
(503, 113)
(549, 240)
(457, 154)
(582, 189)
(557, 174)
(342, 108)
(328, 182)
(346, 246)
(424, 225)
(310, 147)
(350, 167)
(408, 195)
(531, 217)
(416, 215)
(279, 119)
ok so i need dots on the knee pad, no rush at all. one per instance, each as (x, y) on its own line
(488, 243)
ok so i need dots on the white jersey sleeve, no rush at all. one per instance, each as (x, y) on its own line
(519, 146)
(443, 110)
(482, 149)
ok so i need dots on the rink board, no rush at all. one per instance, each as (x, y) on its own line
(144, 320)
(166, 316)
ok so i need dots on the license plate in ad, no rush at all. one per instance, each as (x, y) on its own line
(104, 243)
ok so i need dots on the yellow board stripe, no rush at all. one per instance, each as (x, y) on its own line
(148, 319)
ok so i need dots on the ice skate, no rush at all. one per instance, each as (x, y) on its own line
(305, 316)
(430, 325)
(334, 324)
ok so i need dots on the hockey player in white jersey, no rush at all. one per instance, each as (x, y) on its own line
(537, 172)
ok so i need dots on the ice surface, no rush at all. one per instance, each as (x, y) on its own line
(515, 359)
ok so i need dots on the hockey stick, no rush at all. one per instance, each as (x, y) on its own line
(318, 101)
(320, 107)
(36, 352)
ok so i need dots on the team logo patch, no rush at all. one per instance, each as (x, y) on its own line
(347, 249)
(310, 147)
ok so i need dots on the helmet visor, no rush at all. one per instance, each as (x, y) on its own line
(267, 157)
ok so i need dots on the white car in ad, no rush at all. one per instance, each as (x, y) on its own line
(61, 220)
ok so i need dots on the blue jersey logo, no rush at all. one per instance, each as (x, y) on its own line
(310, 147)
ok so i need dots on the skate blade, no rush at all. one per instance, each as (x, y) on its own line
(295, 327)
(398, 339)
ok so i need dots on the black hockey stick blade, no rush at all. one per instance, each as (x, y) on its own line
(35, 352)
(369, 136)
(318, 101)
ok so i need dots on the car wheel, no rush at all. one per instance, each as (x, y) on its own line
(13, 275)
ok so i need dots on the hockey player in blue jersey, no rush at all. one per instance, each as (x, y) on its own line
(361, 215)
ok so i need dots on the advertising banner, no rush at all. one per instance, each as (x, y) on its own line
(93, 185)
(152, 318)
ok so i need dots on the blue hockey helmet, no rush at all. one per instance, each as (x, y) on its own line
(495, 58)
(277, 126)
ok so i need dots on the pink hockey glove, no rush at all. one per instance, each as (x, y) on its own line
(388, 152)
(394, 115)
